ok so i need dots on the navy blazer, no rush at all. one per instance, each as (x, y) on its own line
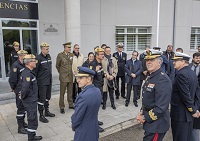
(121, 61)
(184, 90)
(135, 69)
(85, 117)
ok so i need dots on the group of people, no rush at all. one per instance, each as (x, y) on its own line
(161, 77)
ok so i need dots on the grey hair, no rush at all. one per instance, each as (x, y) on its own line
(27, 60)
(160, 59)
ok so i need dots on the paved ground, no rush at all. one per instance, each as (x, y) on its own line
(134, 133)
(59, 127)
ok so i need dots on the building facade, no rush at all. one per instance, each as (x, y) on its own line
(136, 23)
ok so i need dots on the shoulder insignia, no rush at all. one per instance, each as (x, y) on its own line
(28, 79)
(162, 73)
(91, 67)
(14, 69)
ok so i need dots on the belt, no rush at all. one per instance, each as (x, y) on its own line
(145, 108)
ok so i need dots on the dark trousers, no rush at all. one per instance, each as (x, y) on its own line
(153, 136)
(181, 130)
(111, 95)
(44, 95)
(20, 111)
(135, 91)
(76, 90)
(31, 108)
(122, 86)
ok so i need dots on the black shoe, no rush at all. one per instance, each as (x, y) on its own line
(62, 111)
(43, 119)
(100, 123)
(22, 130)
(101, 102)
(113, 106)
(35, 138)
(126, 104)
(104, 107)
(25, 125)
(100, 129)
(49, 114)
(135, 103)
(117, 97)
(71, 107)
(124, 97)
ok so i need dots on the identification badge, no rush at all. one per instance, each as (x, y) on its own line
(14, 69)
(151, 85)
(28, 79)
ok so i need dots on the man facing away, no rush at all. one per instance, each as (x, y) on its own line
(85, 116)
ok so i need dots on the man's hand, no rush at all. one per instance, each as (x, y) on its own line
(145, 72)
(19, 95)
(11, 90)
(111, 77)
(140, 118)
(98, 68)
(133, 75)
(196, 115)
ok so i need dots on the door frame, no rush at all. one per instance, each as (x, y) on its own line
(4, 78)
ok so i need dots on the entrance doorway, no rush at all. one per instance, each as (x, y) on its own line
(24, 32)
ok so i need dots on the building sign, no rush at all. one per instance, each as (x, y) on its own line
(50, 29)
(19, 10)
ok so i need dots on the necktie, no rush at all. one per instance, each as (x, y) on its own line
(195, 69)
(120, 55)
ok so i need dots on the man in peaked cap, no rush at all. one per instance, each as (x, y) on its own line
(85, 117)
(64, 62)
(43, 72)
(156, 93)
(29, 96)
(184, 100)
(121, 61)
(15, 84)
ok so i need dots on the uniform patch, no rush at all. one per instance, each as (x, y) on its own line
(28, 79)
(152, 115)
(91, 67)
(190, 109)
(151, 85)
(14, 69)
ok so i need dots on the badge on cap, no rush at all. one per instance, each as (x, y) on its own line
(28, 79)
(14, 69)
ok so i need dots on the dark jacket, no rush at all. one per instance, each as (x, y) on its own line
(121, 61)
(85, 117)
(14, 56)
(29, 92)
(144, 67)
(171, 70)
(168, 55)
(156, 98)
(15, 74)
(43, 70)
(183, 103)
(135, 69)
(165, 63)
(86, 64)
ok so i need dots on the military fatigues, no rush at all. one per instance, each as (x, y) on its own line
(64, 67)
(29, 96)
(156, 94)
(15, 84)
(43, 72)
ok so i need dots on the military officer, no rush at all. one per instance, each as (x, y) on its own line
(98, 79)
(14, 55)
(43, 73)
(121, 61)
(64, 67)
(29, 96)
(85, 117)
(183, 104)
(15, 84)
(156, 94)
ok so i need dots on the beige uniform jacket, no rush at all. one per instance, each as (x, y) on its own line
(76, 63)
(64, 67)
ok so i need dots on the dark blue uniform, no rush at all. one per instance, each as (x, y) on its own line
(43, 73)
(156, 94)
(29, 96)
(183, 105)
(15, 84)
(14, 56)
(85, 117)
(121, 61)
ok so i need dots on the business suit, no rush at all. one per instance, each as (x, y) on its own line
(84, 119)
(64, 68)
(121, 61)
(183, 104)
(136, 69)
